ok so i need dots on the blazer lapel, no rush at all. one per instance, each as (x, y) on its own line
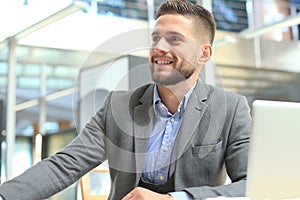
(142, 128)
(193, 113)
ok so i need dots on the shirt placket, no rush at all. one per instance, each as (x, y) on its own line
(165, 152)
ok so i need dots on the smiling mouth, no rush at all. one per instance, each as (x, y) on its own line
(163, 62)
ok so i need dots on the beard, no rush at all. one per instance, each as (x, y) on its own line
(179, 73)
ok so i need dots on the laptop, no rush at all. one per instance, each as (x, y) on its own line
(274, 154)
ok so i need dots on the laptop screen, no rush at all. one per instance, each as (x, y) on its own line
(274, 154)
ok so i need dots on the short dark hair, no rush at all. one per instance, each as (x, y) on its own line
(203, 20)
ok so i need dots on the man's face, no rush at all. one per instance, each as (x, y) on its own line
(175, 52)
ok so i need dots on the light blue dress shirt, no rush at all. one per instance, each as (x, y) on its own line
(159, 165)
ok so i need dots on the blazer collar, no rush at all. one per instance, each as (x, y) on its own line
(201, 92)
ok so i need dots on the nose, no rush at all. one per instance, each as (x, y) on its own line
(161, 46)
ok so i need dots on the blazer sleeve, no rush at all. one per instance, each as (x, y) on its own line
(59, 171)
(236, 156)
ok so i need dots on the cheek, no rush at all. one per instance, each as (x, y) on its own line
(151, 53)
(188, 58)
(190, 55)
(186, 52)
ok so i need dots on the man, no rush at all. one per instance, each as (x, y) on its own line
(174, 139)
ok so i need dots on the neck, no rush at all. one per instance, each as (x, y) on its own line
(172, 95)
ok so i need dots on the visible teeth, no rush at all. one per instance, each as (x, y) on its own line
(163, 62)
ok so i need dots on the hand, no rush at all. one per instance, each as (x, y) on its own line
(140, 193)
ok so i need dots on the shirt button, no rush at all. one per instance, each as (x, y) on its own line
(166, 149)
(161, 178)
(172, 120)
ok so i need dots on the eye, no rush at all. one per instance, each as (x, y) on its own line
(174, 39)
(155, 38)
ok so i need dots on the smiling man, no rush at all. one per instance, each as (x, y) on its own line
(172, 139)
(181, 44)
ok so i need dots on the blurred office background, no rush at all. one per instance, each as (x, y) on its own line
(59, 58)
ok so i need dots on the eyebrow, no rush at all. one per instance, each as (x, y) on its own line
(168, 32)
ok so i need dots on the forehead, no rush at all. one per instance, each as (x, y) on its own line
(174, 23)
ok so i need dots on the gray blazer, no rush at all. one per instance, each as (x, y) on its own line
(213, 139)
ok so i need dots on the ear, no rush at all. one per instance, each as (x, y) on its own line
(206, 53)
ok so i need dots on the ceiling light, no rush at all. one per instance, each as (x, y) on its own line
(287, 22)
(74, 7)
